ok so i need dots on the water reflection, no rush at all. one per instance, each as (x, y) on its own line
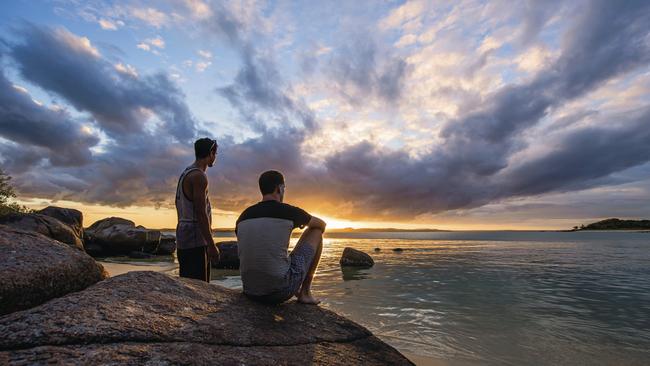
(354, 273)
(226, 277)
(223, 274)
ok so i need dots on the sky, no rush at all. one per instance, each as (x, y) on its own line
(419, 114)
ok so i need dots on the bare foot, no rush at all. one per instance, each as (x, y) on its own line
(308, 299)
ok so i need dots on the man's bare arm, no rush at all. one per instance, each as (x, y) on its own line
(199, 187)
(316, 223)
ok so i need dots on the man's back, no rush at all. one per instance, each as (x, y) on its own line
(263, 233)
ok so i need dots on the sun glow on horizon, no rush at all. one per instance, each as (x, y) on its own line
(165, 218)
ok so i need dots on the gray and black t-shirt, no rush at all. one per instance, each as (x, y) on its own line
(263, 233)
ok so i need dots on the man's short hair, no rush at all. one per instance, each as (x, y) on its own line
(269, 180)
(203, 147)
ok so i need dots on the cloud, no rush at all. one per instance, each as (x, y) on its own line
(151, 16)
(360, 70)
(198, 8)
(138, 164)
(258, 88)
(605, 42)
(409, 11)
(406, 40)
(205, 54)
(38, 132)
(150, 45)
(470, 165)
(147, 125)
(109, 25)
(502, 136)
(126, 69)
(584, 155)
(202, 65)
(156, 42)
(75, 43)
(118, 101)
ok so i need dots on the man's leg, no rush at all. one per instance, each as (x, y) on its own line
(192, 263)
(313, 238)
(207, 264)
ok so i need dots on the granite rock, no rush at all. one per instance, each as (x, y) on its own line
(118, 236)
(150, 317)
(35, 269)
(356, 258)
(45, 225)
(228, 255)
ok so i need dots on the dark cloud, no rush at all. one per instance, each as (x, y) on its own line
(258, 89)
(536, 14)
(361, 70)
(29, 125)
(583, 156)
(69, 66)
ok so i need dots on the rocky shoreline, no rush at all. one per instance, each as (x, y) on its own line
(58, 306)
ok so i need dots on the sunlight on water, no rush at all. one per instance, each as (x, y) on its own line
(534, 298)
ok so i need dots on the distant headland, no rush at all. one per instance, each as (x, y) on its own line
(615, 224)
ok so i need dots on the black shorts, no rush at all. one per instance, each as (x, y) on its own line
(194, 263)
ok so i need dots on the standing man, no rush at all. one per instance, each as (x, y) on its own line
(263, 230)
(194, 241)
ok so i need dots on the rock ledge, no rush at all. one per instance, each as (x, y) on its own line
(149, 317)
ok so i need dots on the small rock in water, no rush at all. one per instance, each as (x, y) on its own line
(377, 249)
(398, 249)
(356, 258)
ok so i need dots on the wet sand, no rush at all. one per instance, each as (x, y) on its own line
(115, 268)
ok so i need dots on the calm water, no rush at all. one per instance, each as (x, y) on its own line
(505, 298)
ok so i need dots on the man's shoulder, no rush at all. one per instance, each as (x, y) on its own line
(196, 176)
(270, 209)
(195, 172)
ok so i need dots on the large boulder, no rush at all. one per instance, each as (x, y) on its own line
(118, 236)
(35, 269)
(152, 318)
(69, 216)
(228, 256)
(46, 225)
(356, 258)
(167, 244)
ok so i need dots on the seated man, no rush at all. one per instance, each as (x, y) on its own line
(263, 232)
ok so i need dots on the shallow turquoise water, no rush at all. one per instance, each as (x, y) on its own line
(506, 298)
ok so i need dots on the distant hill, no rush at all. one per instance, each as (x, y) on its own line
(617, 224)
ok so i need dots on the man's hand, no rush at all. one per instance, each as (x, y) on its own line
(213, 253)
